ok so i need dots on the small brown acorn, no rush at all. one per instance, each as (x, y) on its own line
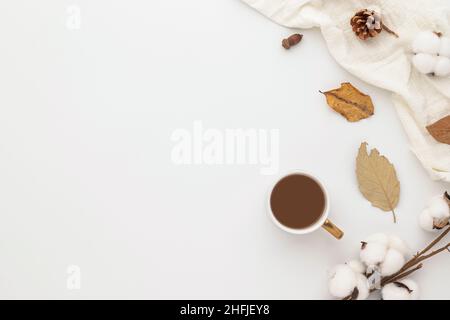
(292, 41)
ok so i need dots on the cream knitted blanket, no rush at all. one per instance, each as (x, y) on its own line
(384, 61)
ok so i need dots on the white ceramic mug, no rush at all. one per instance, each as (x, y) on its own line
(323, 221)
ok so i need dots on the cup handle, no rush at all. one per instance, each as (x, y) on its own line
(331, 228)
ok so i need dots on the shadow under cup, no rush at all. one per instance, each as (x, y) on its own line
(299, 204)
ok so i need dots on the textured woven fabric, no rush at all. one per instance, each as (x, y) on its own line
(384, 61)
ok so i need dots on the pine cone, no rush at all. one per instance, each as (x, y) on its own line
(367, 24)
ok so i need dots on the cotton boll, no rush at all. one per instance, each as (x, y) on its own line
(362, 284)
(444, 49)
(427, 42)
(357, 266)
(392, 291)
(438, 208)
(402, 290)
(413, 287)
(342, 282)
(426, 221)
(442, 67)
(432, 54)
(399, 245)
(373, 253)
(393, 262)
(424, 63)
(380, 238)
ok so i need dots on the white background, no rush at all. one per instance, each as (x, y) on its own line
(86, 176)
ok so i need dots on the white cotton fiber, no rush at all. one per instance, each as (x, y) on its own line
(438, 208)
(342, 281)
(427, 42)
(432, 54)
(442, 67)
(380, 238)
(362, 284)
(357, 266)
(398, 291)
(426, 221)
(400, 245)
(393, 262)
(414, 287)
(393, 292)
(444, 49)
(373, 253)
(424, 63)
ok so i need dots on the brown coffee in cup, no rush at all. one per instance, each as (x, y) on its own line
(298, 201)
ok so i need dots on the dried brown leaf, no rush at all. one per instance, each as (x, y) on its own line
(350, 102)
(377, 180)
(441, 130)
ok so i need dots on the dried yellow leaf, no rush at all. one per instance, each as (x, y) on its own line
(350, 102)
(377, 180)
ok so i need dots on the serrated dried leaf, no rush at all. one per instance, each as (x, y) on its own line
(350, 102)
(441, 130)
(377, 180)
